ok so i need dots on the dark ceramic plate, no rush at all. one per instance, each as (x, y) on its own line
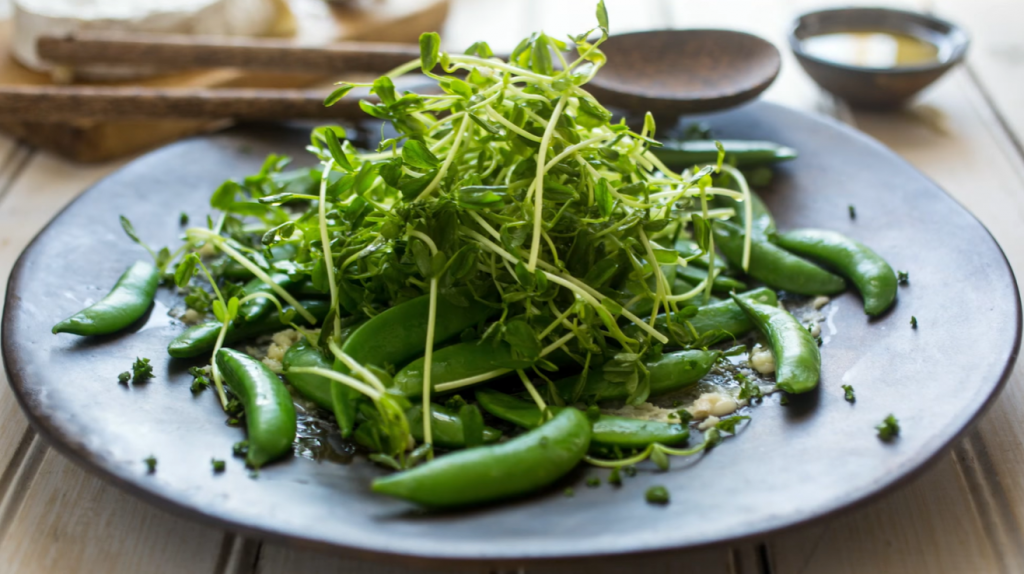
(792, 464)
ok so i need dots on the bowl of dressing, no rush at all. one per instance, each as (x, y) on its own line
(875, 57)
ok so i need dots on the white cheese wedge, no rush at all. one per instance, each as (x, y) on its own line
(35, 18)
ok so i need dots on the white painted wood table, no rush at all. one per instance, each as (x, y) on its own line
(965, 514)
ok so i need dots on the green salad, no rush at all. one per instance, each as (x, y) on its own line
(472, 299)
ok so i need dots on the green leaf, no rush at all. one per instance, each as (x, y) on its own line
(163, 257)
(129, 230)
(524, 276)
(422, 257)
(540, 57)
(430, 47)
(416, 154)
(185, 270)
(701, 232)
(659, 458)
(391, 171)
(721, 156)
(602, 16)
(481, 49)
(334, 145)
(232, 310)
(521, 337)
(224, 196)
(491, 129)
(481, 196)
(219, 311)
(337, 94)
(384, 88)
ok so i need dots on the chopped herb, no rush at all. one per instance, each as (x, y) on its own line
(240, 448)
(749, 389)
(685, 416)
(903, 277)
(569, 493)
(888, 429)
(141, 370)
(200, 381)
(848, 394)
(150, 463)
(615, 478)
(183, 219)
(784, 399)
(234, 407)
(233, 422)
(217, 464)
(124, 377)
(657, 495)
(593, 482)
(913, 322)
(629, 470)
(729, 425)
(853, 211)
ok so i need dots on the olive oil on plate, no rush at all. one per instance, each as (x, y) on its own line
(873, 49)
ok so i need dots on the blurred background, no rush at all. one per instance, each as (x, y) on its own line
(964, 514)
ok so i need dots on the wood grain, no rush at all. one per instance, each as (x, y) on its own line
(70, 521)
(962, 515)
(179, 52)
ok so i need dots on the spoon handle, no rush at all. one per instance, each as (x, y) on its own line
(177, 52)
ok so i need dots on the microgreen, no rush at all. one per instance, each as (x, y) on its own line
(510, 185)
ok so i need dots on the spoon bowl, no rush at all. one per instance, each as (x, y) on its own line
(674, 72)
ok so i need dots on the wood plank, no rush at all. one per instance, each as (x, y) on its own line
(70, 521)
(996, 55)
(284, 560)
(43, 186)
(909, 530)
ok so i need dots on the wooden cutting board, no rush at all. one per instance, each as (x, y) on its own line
(316, 22)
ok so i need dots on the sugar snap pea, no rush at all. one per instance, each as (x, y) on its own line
(723, 318)
(257, 308)
(762, 223)
(446, 427)
(775, 266)
(607, 430)
(313, 387)
(797, 359)
(670, 372)
(485, 474)
(201, 339)
(743, 153)
(126, 303)
(457, 362)
(873, 277)
(721, 284)
(397, 335)
(270, 419)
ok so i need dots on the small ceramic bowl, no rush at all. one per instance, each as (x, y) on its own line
(877, 87)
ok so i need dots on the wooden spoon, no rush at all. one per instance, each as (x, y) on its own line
(673, 72)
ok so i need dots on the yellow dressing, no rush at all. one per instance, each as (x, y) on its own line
(872, 49)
